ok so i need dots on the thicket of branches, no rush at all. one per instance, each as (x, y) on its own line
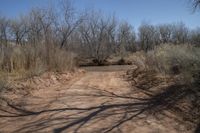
(47, 38)
(195, 4)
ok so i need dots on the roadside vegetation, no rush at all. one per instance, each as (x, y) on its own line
(182, 60)
(166, 57)
(59, 39)
(37, 40)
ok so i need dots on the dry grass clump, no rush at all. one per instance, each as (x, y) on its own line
(3, 82)
(175, 63)
(181, 60)
(172, 73)
(138, 59)
(31, 60)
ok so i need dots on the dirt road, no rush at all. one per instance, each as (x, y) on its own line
(99, 101)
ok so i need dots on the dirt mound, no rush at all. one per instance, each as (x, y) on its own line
(48, 79)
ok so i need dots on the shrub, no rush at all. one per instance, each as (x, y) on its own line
(3, 82)
(138, 59)
(121, 62)
(181, 60)
(35, 59)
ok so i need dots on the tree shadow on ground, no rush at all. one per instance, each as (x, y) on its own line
(76, 119)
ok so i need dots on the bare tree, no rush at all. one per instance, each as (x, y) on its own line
(165, 33)
(19, 28)
(156, 37)
(4, 30)
(195, 4)
(195, 37)
(98, 36)
(35, 29)
(126, 38)
(69, 21)
(43, 22)
(147, 34)
(179, 33)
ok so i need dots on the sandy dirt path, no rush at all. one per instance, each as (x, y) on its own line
(99, 101)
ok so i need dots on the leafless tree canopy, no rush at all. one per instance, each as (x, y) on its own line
(126, 38)
(89, 34)
(147, 35)
(195, 4)
(98, 36)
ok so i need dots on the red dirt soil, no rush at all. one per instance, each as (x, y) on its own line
(100, 100)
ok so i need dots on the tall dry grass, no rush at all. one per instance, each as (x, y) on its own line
(30, 60)
(3, 83)
(181, 60)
